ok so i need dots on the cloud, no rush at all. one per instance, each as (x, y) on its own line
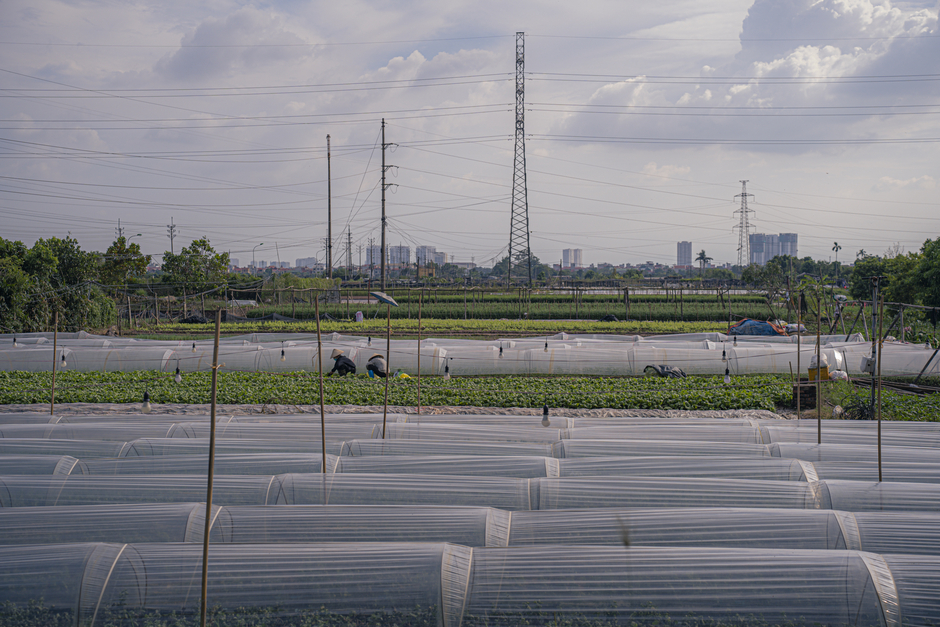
(803, 69)
(651, 170)
(886, 183)
(247, 40)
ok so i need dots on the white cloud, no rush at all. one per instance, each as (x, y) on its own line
(247, 40)
(887, 183)
(653, 171)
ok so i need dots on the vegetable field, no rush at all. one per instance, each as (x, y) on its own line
(692, 393)
(434, 327)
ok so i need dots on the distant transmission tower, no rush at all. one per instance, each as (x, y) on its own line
(744, 227)
(519, 225)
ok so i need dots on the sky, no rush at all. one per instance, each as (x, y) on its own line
(641, 121)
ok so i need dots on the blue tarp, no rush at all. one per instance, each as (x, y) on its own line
(755, 327)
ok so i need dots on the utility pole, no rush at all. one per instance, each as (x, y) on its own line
(171, 233)
(329, 213)
(349, 253)
(119, 231)
(519, 222)
(744, 228)
(371, 255)
(385, 186)
(360, 259)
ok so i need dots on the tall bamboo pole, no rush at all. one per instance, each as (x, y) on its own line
(799, 337)
(420, 298)
(880, 346)
(205, 535)
(388, 365)
(320, 370)
(818, 370)
(55, 342)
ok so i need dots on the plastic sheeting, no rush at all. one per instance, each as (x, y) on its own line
(643, 448)
(877, 532)
(133, 522)
(529, 585)
(98, 584)
(485, 491)
(360, 489)
(33, 491)
(359, 448)
(573, 493)
(695, 353)
(446, 584)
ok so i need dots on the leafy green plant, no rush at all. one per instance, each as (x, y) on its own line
(690, 393)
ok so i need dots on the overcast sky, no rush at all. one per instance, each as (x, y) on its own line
(641, 120)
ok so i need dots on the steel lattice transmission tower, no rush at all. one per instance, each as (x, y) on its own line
(519, 224)
(744, 227)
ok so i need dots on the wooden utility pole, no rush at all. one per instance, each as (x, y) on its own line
(329, 214)
(208, 522)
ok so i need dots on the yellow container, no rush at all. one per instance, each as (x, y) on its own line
(823, 375)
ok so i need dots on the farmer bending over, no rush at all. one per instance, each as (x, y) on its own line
(377, 366)
(343, 366)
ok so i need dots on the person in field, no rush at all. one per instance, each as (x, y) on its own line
(342, 365)
(377, 366)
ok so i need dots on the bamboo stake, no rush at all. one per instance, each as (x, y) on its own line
(388, 365)
(881, 319)
(55, 342)
(799, 372)
(322, 412)
(818, 371)
(420, 298)
(205, 535)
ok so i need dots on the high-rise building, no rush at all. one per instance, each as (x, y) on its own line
(684, 254)
(373, 255)
(571, 258)
(425, 254)
(306, 262)
(765, 247)
(440, 258)
(788, 244)
(399, 255)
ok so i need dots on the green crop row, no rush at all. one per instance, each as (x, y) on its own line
(894, 405)
(692, 393)
(689, 312)
(431, 327)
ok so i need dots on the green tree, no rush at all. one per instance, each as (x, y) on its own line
(196, 267)
(52, 276)
(702, 259)
(927, 273)
(122, 261)
(860, 280)
(520, 268)
(15, 288)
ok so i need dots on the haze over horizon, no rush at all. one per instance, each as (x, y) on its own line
(641, 119)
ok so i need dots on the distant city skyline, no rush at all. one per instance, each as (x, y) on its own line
(641, 120)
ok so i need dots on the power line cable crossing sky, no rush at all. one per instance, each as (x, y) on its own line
(641, 119)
